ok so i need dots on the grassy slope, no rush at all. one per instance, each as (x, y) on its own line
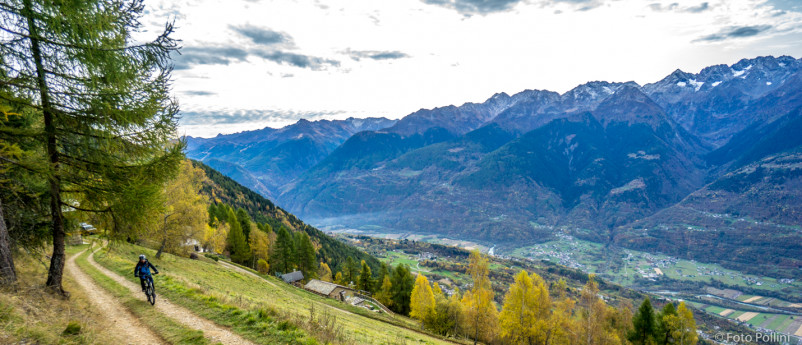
(31, 315)
(262, 312)
(163, 326)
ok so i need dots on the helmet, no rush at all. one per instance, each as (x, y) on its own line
(142, 257)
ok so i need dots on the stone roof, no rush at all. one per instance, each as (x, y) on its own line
(292, 277)
(320, 286)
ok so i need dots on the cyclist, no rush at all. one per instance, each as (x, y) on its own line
(142, 270)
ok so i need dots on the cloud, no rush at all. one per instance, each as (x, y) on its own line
(675, 7)
(190, 56)
(735, 32)
(199, 93)
(264, 35)
(297, 60)
(222, 55)
(469, 7)
(357, 55)
(239, 116)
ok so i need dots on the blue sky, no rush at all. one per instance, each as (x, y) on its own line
(248, 64)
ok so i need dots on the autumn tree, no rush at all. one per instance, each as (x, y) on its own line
(338, 279)
(107, 117)
(481, 315)
(184, 212)
(324, 272)
(217, 237)
(385, 294)
(422, 299)
(682, 325)
(401, 289)
(525, 315)
(592, 326)
(259, 243)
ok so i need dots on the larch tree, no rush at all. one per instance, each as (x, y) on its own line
(324, 272)
(421, 303)
(338, 279)
(216, 237)
(593, 315)
(107, 118)
(385, 295)
(481, 315)
(662, 328)
(306, 260)
(683, 326)
(524, 317)
(436, 289)
(184, 212)
(260, 245)
(244, 222)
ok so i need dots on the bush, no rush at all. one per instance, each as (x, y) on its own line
(262, 266)
(211, 256)
(73, 328)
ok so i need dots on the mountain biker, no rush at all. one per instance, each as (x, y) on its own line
(142, 270)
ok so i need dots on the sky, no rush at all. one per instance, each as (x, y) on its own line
(248, 64)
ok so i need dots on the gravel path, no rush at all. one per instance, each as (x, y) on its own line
(128, 326)
(212, 331)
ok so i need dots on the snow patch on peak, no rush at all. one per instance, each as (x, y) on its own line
(715, 84)
(768, 83)
(696, 84)
(681, 84)
(737, 74)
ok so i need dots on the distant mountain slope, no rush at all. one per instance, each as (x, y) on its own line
(266, 159)
(222, 189)
(596, 161)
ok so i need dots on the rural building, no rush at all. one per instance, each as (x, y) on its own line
(345, 294)
(329, 290)
(293, 277)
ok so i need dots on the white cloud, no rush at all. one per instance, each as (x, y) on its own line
(445, 55)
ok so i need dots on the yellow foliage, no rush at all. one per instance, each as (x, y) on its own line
(260, 244)
(436, 289)
(422, 299)
(324, 272)
(185, 209)
(524, 318)
(481, 315)
(683, 326)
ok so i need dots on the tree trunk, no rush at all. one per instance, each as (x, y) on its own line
(54, 275)
(7, 273)
(161, 249)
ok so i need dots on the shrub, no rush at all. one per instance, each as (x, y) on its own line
(73, 328)
(262, 266)
(211, 256)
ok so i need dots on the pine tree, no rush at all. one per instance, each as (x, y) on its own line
(401, 289)
(284, 252)
(244, 221)
(306, 255)
(422, 299)
(662, 328)
(365, 281)
(643, 323)
(237, 246)
(107, 118)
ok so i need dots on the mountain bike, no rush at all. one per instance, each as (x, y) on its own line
(150, 291)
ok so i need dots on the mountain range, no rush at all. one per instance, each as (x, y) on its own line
(705, 166)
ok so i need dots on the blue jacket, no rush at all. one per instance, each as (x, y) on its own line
(142, 269)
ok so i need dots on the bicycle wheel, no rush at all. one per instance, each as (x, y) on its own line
(151, 294)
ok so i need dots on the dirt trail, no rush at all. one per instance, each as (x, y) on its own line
(129, 326)
(244, 271)
(210, 330)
